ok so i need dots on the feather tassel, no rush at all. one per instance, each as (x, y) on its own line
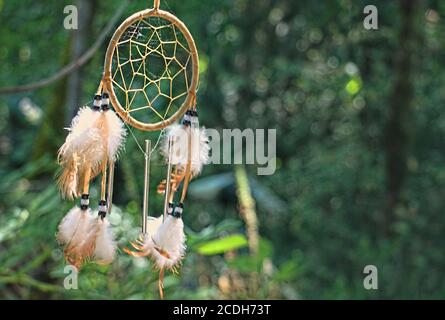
(116, 135)
(169, 243)
(199, 147)
(82, 150)
(68, 225)
(116, 130)
(73, 229)
(105, 246)
(164, 242)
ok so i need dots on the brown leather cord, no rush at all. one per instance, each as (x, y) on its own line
(188, 166)
(103, 184)
(86, 181)
(99, 89)
(156, 4)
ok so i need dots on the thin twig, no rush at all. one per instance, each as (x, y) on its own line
(74, 64)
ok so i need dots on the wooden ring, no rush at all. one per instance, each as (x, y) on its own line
(107, 81)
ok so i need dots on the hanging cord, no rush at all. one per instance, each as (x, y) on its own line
(193, 102)
(146, 186)
(99, 89)
(103, 184)
(188, 167)
(110, 186)
(173, 183)
(189, 155)
(156, 4)
(86, 180)
(161, 283)
(168, 179)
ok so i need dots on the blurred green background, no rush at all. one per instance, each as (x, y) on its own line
(360, 178)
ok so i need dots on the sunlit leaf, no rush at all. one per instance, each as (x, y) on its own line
(222, 245)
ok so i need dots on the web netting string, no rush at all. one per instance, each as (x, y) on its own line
(151, 69)
(139, 145)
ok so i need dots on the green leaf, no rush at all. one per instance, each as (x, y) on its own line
(196, 239)
(222, 245)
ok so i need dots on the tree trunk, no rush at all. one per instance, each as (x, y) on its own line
(79, 45)
(399, 129)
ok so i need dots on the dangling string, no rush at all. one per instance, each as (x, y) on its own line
(156, 4)
(188, 170)
(139, 145)
(188, 166)
(103, 184)
(86, 181)
(146, 186)
(161, 283)
(169, 169)
(99, 89)
(110, 186)
(193, 102)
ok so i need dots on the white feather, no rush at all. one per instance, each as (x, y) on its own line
(199, 147)
(170, 236)
(68, 225)
(200, 150)
(83, 148)
(153, 225)
(93, 149)
(116, 135)
(74, 226)
(105, 247)
(169, 239)
(80, 132)
(176, 131)
(164, 241)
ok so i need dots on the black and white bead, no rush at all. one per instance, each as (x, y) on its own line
(186, 120)
(97, 102)
(84, 201)
(194, 119)
(177, 213)
(170, 208)
(105, 101)
(102, 208)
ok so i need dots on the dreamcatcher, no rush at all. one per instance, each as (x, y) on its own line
(150, 78)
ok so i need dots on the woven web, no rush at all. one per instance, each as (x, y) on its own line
(151, 69)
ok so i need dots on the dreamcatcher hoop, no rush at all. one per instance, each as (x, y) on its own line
(190, 99)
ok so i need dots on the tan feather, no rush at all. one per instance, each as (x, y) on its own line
(67, 179)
